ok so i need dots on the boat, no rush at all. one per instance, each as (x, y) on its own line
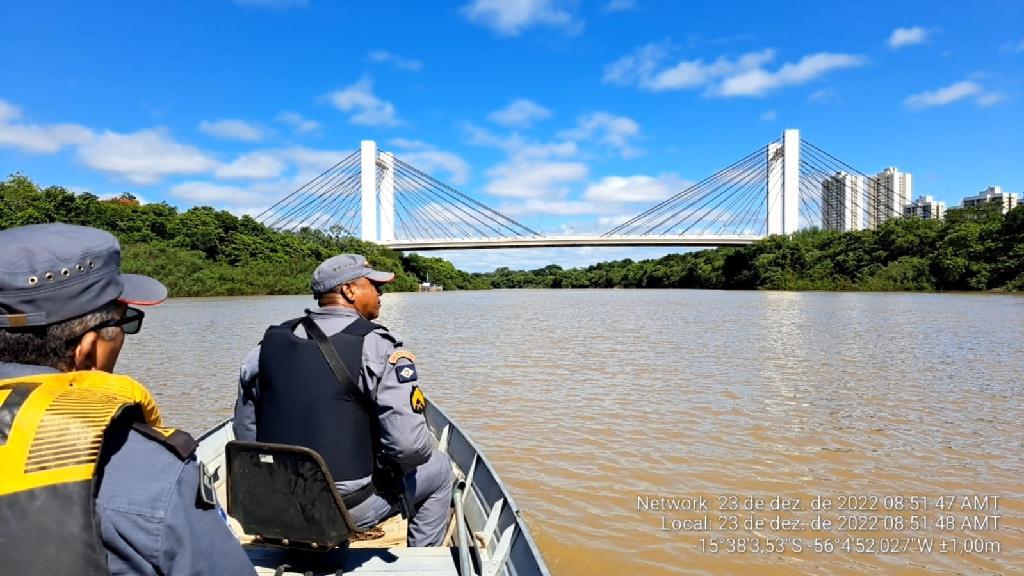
(487, 536)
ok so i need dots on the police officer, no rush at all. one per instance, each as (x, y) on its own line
(89, 481)
(363, 411)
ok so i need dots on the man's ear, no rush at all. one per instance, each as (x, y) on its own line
(85, 351)
(348, 292)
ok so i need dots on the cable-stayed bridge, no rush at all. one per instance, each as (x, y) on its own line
(787, 185)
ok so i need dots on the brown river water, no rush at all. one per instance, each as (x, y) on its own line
(824, 433)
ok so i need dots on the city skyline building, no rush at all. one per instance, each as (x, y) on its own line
(925, 207)
(889, 192)
(1008, 200)
(842, 206)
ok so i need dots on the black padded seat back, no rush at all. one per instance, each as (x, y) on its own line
(283, 492)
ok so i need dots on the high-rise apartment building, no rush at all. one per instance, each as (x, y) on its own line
(925, 207)
(1009, 200)
(842, 202)
(888, 192)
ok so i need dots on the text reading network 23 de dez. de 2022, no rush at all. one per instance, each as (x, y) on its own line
(848, 523)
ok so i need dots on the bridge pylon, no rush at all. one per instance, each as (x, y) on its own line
(368, 185)
(783, 183)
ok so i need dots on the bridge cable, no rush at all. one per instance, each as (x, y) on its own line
(464, 199)
(301, 205)
(258, 217)
(420, 177)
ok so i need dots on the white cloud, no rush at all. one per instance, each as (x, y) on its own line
(517, 147)
(143, 157)
(613, 221)
(757, 82)
(609, 129)
(520, 113)
(310, 162)
(511, 17)
(901, 37)
(768, 115)
(35, 138)
(299, 124)
(1011, 47)
(638, 188)
(427, 158)
(409, 144)
(430, 161)
(823, 95)
(232, 130)
(9, 111)
(43, 139)
(990, 99)
(522, 178)
(965, 89)
(366, 108)
(744, 76)
(551, 207)
(252, 166)
(638, 68)
(619, 5)
(383, 56)
(207, 193)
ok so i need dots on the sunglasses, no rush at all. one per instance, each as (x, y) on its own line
(131, 322)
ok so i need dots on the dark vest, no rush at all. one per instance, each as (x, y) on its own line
(56, 434)
(302, 403)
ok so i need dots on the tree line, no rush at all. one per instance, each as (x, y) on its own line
(972, 249)
(207, 252)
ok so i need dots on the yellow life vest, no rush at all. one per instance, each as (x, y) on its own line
(52, 428)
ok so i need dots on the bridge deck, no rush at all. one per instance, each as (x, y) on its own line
(700, 241)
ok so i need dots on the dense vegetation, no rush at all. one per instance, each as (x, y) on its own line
(204, 252)
(208, 252)
(973, 249)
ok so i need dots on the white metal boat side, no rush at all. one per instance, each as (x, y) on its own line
(501, 544)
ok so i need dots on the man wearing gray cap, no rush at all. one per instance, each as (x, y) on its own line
(90, 480)
(336, 382)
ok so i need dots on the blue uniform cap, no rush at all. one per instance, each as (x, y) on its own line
(54, 272)
(344, 268)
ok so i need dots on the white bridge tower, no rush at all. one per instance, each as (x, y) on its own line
(784, 184)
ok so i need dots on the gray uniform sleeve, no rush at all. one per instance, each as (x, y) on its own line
(197, 540)
(404, 437)
(151, 521)
(248, 392)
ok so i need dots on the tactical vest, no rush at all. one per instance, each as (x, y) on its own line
(302, 403)
(52, 433)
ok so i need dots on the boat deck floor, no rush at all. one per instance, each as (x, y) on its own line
(376, 561)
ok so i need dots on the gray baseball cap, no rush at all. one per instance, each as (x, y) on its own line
(53, 272)
(344, 268)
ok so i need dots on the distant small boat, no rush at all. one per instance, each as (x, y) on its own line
(487, 537)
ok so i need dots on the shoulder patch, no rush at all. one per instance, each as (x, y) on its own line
(406, 373)
(399, 354)
(180, 443)
(417, 400)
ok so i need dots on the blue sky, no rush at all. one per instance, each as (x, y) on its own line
(568, 116)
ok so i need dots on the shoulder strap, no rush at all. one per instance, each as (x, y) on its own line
(179, 442)
(361, 327)
(341, 373)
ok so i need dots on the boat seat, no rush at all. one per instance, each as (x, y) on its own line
(285, 494)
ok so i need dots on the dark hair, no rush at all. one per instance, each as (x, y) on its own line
(53, 345)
